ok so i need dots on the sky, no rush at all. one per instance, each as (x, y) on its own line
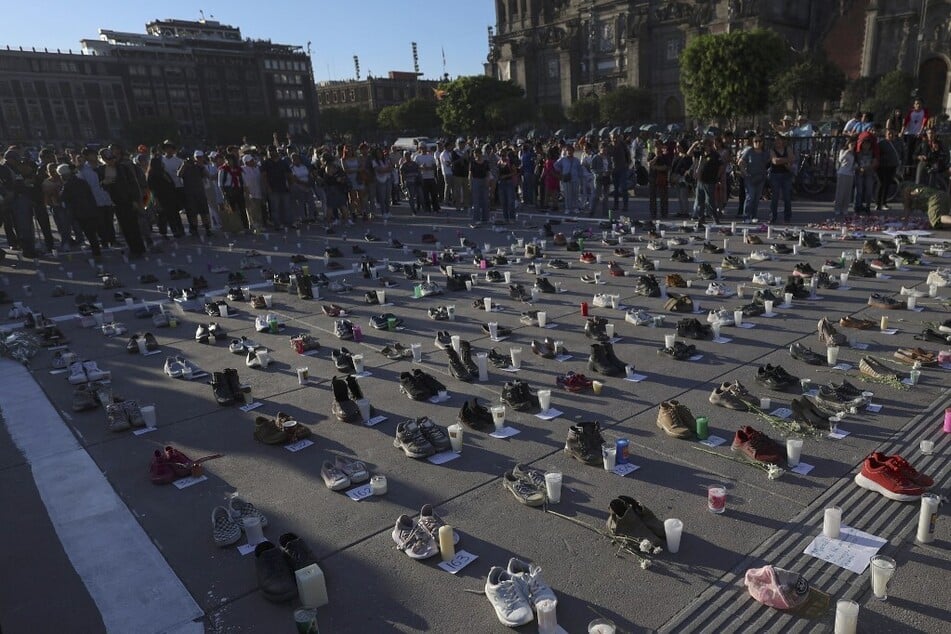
(380, 32)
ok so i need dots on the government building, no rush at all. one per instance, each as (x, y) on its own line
(563, 50)
(193, 72)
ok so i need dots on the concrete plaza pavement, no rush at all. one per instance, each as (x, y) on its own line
(375, 588)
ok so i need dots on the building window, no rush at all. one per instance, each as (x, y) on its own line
(29, 89)
(673, 49)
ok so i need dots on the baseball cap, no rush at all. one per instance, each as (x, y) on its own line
(199, 153)
(783, 589)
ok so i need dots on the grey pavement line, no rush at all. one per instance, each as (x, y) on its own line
(127, 578)
(783, 548)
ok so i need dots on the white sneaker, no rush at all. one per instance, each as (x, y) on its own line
(939, 277)
(760, 256)
(638, 317)
(722, 317)
(912, 292)
(416, 542)
(762, 279)
(718, 289)
(601, 300)
(93, 373)
(509, 597)
(77, 374)
(531, 576)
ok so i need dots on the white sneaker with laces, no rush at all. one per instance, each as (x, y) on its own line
(414, 541)
(722, 317)
(717, 289)
(762, 279)
(638, 317)
(760, 256)
(601, 300)
(531, 576)
(509, 597)
(939, 277)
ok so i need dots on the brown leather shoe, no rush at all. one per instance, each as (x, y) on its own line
(855, 322)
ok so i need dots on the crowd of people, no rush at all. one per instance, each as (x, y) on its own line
(148, 192)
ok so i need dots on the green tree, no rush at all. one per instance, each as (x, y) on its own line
(151, 130)
(386, 119)
(347, 123)
(550, 116)
(464, 106)
(728, 75)
(812, 80)
(625, 104)
(892, 90)
(586, 111)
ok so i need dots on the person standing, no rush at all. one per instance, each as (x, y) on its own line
(866, 166)
(120, 183)
(753, 164)
(568, 168)
(781, 161)
(91, 172)
(844, 180)
(526, 157)
(681, 171)
(193, 175)
(382, 172)
(916, 120)
(428, 171)
(51, 189)
(80, 203)
(275, 180)
(507, 172)
(460, 173)
(231, 184)
(410, 179)
(253, 191)
(172, 163)
(478, 175)
(601, 170)
(890, 155)
(163, 189)
(444, 159)
(621, 165)
(658, 173)
(709, 166)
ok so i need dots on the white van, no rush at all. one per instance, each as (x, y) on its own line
(411, 143)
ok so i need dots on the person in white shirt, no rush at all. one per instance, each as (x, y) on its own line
(212, 191)
(844, 180)
(302, 195)
(445, 164)
(427, 171)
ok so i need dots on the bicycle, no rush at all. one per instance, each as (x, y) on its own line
(812, 177)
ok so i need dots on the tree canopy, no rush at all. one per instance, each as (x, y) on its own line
(586, 111)
(416, 115)
(809, 82)
(728, 75)
(479, 103)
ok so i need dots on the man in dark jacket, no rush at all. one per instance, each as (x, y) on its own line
(81, 205)
(119, 180)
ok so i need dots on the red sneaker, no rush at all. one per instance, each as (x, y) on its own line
(588, 258)
(904, 468)
(757, 445)
(573, 382)
(615, 269)
(881, 477)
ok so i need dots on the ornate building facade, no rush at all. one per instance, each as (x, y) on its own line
(561, 50)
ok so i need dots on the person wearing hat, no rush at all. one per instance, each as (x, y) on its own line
(193, 176)
(120, 183)
(77, 196)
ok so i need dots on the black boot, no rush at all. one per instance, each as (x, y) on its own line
(600, 361)
(305, 290)
(221, 389)
(618, 364)
(457, 368)
(465, 353)
(581, 444)
(234, 385)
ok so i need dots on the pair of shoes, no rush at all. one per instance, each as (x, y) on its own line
(148, 340)
(343, 329)
(828, 335)
(573, 382)
(584, 442)
(691, 328)
(796, 287)
(676, 420)
(911, 356)
(731, 396)
(386, 321)
(258, 358)
(396, 351)
(675, 280)
(181, 367)
(120, 414)
(809, 413)
(892, 476)
(545, 348)
(677, 303)
(419, 538)
(343, 472)
(858, 323)
(86, 371)
(227, 387)
(596, 328)
(204, 333)
(474, 415)
(421, 438)
(346, 392)
(802, 353)
(419, 385)
(304, 343)
(679, 351)
(647, 286)
(268, 323)
(519, 396)
(875, 369)
(628, 519)
(275, 566)
(638, 317)
(461, 365)
(526, 484)
(280, 430)
(757, 446)
(775, 377)
(515, 590)
(438, 313)
(877, 300)
(604, 361)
